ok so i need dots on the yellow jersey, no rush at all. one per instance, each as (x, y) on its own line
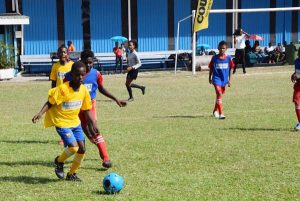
(66, 105)
(58, 72)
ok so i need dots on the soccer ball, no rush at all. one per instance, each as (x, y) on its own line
(112, 183)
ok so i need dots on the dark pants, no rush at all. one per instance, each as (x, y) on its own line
(240, 59)
(119, 61)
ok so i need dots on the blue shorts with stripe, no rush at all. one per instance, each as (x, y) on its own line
(70, 135)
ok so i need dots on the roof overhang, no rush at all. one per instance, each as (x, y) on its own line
(9, 19)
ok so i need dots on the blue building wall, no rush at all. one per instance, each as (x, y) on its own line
(105, 23)
(73, 26)
(283, 23)
(257, 23)
(40, 36)
(152, 25)
(2, 6)
(182, 10)
(216, 31)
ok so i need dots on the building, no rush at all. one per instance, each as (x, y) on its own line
(91, 23)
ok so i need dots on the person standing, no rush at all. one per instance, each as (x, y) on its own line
(239, 40)
(71, 47)
(118, 53)
(93, 81)
(59, 69)
(295, 78)
(134, 63)
(62, 109)
(220, 75)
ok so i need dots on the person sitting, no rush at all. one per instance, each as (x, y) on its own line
(270, 52)
(248, 47)
(71, 47)
(260, 56)
(279, 53)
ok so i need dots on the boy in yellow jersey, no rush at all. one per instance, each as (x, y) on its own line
(62, 109)
(59, 69)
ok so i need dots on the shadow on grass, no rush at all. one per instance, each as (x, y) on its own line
(27, 142)
(100, 192)
(22, 163)
(180, 117)
(104, 100)
(259, 129)
(28, 179)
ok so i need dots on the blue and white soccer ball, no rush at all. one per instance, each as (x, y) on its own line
(112, 183)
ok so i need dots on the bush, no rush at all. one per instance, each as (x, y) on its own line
(7, 56)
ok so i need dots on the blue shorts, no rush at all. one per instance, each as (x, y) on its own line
(70, 135)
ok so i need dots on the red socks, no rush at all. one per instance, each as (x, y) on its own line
(99, 142)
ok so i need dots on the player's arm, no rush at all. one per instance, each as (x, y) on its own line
(210, 66)
(93, 129)
(106, 93)
(293, 77)
(44, 109)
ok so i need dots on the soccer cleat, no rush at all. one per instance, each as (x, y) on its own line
(222, 116)
(297, 128)
(59, 169)
(107, 164)
(216, 114)
(130, 99)
(72, 177)
(143, 90)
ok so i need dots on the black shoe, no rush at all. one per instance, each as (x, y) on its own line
(143, 90)
(107, 164)
(72, 177)
(244, 72)
(59, 168)
(130, 99)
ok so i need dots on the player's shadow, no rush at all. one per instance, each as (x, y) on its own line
(259, 129)
(28, 179)
(23, 163)
(26, 142)
(180, 117)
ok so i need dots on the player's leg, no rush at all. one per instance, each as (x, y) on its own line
(219, 92)
(128, 83)
(297, 110)
(97, 139)
(134, 75)
(71, 148)
(79, 155)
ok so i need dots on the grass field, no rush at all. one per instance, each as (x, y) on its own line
(165, 144)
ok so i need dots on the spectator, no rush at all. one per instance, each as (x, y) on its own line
(270, 52)
(71, 47)
(260, 56)
(279, 53)
(118, 53)
(239, 40)
(248, 47)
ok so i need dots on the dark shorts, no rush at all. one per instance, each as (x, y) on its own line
(133, 74)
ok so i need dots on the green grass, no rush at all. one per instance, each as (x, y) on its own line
(165, 144)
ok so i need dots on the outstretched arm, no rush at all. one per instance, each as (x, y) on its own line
(44, 109)
(106, 93)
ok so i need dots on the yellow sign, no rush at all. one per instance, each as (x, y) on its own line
(202, 13)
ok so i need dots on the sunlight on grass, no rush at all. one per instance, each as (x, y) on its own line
(165, 144)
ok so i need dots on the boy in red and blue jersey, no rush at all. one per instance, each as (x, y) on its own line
(220, 71)
(296, 97)
(93, 81)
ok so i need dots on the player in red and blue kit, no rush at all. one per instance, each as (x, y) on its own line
(220, 71)
(93, 81)
(296, 97)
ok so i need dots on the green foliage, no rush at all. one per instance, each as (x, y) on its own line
(7, 56)
(165, 144)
